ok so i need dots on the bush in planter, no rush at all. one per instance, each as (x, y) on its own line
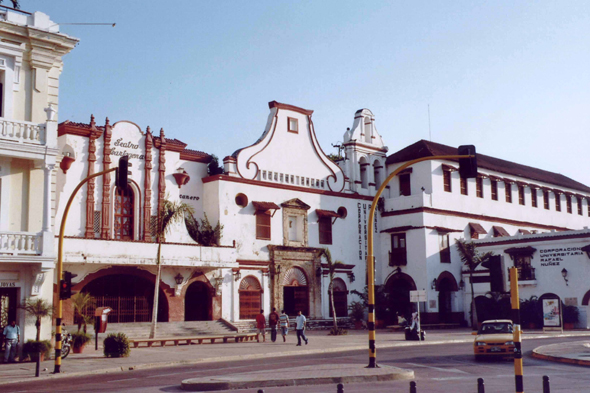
(33, 347)
(357, 311)
(116, 345)
(570, 314)
(338, 332)
(80, 339)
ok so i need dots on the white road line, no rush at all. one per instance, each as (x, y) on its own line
(125, 379)
(448, 370)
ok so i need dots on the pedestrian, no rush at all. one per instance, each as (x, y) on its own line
(300, 320)
(284, 321)
(273, 321)
(261, 326)
(11, 340)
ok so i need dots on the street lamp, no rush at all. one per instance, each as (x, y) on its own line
(564, 275)
(179, 279)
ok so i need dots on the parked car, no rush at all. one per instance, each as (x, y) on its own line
(494, 339)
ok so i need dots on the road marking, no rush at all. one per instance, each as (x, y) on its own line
(451, 378)
(124, 379)
(448, 370)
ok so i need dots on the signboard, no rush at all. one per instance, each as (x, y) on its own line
(418, 296)
(551, 313)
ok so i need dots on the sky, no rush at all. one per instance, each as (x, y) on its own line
(510, 77)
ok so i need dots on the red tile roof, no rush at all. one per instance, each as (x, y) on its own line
(425, 148)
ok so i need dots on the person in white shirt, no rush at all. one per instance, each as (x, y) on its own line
(11, 340)
(300, 320)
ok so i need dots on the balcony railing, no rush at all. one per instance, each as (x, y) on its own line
(398, 258)
(19, 243)
(22, 131)
(524, 274)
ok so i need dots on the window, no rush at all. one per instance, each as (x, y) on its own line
(525, 270)
(325, 226)
(508, 191)
(447, 180)
(263, 225)
(124, 210)
(494, 187)
(533, 197)
(568, 203)
(404, 184)
(521, 195)
(463, 186)
(293, 124)
(476, 229)
(397, 255)
(479, 187)
(445, 250)
(557, 201)
(546, 199)
(579, 200)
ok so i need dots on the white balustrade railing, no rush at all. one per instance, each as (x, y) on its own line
(18, 243)
(22, 131)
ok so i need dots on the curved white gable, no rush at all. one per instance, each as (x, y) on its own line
(363, 130)
(292, 156)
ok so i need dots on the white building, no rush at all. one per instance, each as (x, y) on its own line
(31, 51)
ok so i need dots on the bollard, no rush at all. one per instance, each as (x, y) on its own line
(260, 391)
(480, 386)
(546, 387)
(340, 388)
(413, 387)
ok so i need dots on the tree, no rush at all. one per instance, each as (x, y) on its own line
(39, 309)
(171, 213)
(81, 301)
(332, 266)
(204, 234)
(214, 168)
(471, 258)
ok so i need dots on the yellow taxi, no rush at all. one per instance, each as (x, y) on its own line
(494, 339)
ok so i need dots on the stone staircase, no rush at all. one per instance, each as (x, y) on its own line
(163, 329)
(247, 326)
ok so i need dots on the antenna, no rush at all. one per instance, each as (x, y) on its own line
(429, 131)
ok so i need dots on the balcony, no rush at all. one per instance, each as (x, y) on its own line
(20, 243)
(524, 274)
(23, 132)
(398, 257)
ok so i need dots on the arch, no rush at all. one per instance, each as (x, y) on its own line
(397, 288)
(586, 299)
(446, 282)
(250, 292)
(368, 128)
(295, 292)
(129, 295)
(377, 173)
(197, 302)
(364, 176)
(295, 277)
(340, 294)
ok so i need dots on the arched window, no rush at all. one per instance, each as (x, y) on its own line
(377, 173)
(340, 298)
(124, 214)
(368, 130)
(363, 172)
(250, 297)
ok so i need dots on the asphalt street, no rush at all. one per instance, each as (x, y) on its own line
(438, 368)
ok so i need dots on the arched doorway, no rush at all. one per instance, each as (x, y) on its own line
(124, 211)
(250, 297)
(398, 288)
(340, 298)
(197, 302)
(446, 285)
(130, 297)
(295, 292)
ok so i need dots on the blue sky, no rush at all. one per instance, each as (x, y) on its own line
(513, 78)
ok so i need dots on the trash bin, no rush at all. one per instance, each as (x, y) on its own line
(101, 314)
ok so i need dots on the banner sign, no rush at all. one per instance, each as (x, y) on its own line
(551, 314)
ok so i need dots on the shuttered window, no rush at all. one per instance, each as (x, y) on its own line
(263, 225)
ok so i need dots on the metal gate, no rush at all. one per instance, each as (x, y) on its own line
(125, 308)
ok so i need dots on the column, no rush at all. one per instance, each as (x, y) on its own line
(47, 241)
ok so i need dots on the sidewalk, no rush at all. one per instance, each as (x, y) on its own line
(93, 362)
(573, 353)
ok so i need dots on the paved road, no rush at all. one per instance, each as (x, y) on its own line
(438, 368)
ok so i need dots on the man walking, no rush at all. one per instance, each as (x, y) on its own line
(261, 326)
(284, 321)
(273, 321)
(300, 320)
(11, 340)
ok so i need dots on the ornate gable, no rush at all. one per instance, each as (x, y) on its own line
(295, 203)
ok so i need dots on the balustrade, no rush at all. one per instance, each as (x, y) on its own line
(17, 243)
(22, 131)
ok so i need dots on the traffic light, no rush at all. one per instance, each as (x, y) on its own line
(65, 286)
(494, 264)
(467, 166)
(122, 171)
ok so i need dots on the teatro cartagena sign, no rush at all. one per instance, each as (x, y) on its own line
(129, 140)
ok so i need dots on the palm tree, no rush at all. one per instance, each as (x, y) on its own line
(38, 308)
(332, 266)
(81, 301)
(471, 258)
(170, 214)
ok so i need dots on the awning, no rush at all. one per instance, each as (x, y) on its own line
(524, 231)
(495, 178)
(476, 228)
(326, 213)
(527, 251)
(499, 231)
(265, 206)
(405, 171)
(509, 181)
(448, 168)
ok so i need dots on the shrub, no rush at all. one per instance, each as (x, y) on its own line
(570, 314)
(357, 311)
(116, 345)
(79, 339)
(338, 332)
(34, 347)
